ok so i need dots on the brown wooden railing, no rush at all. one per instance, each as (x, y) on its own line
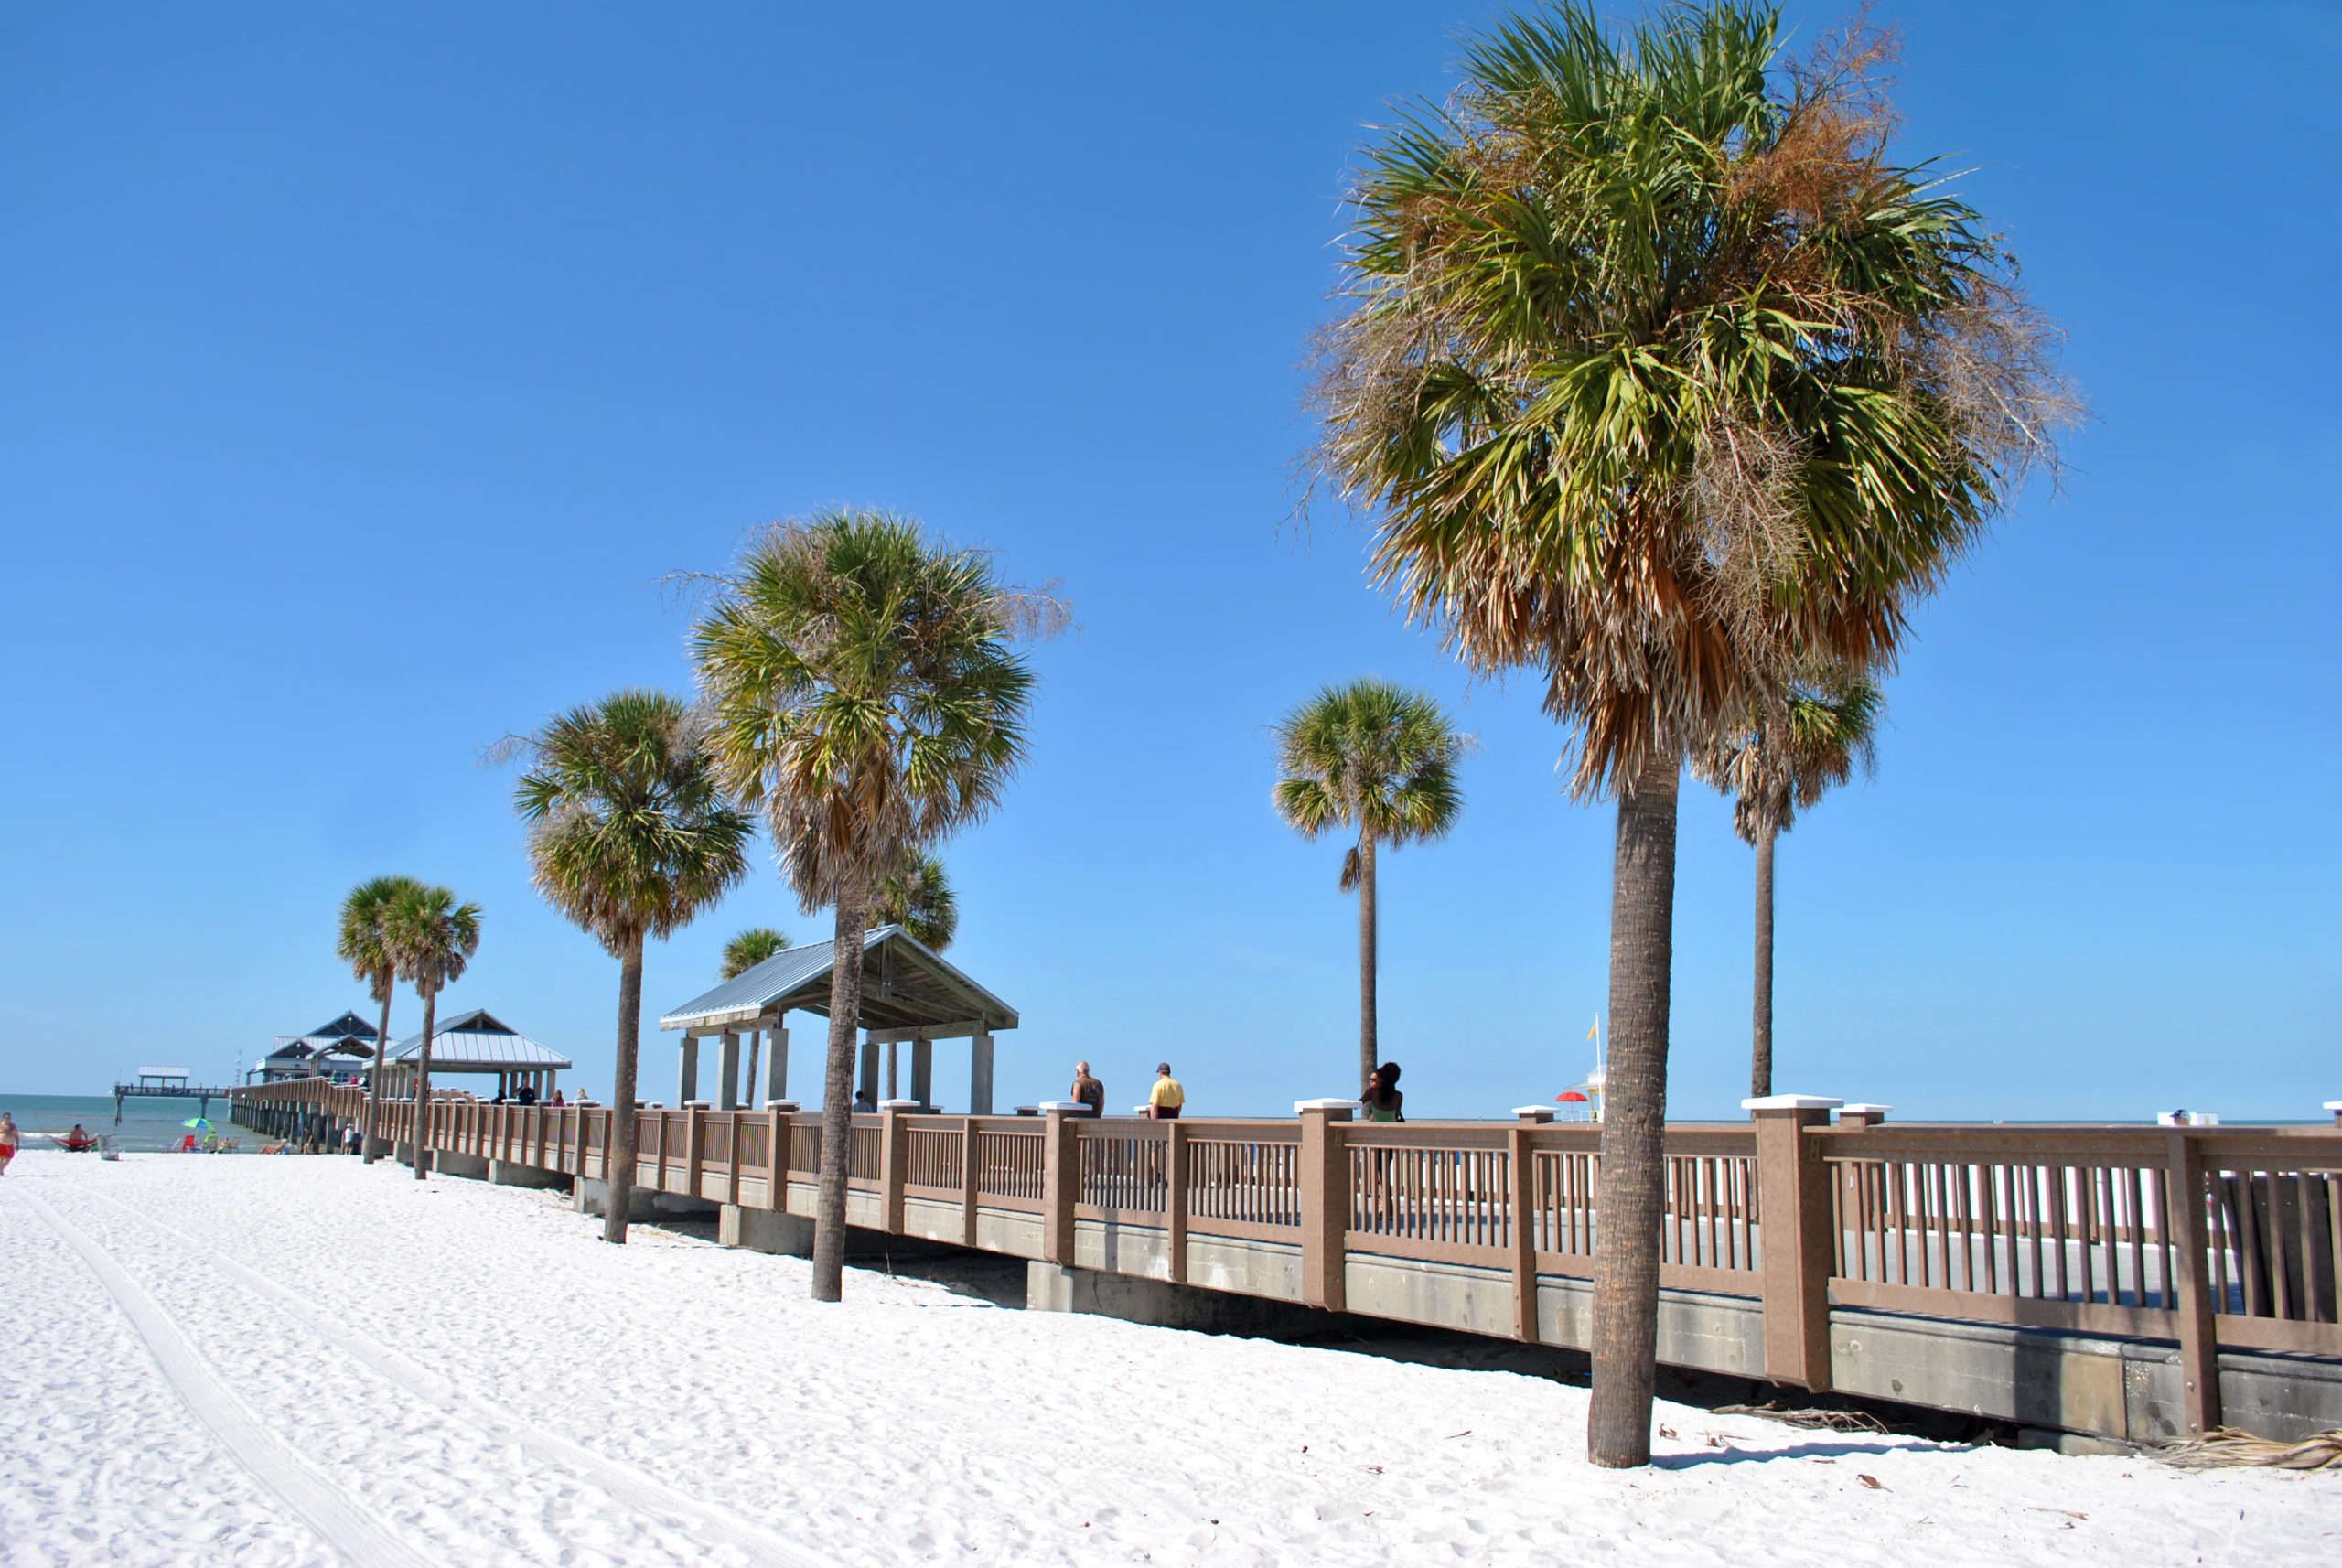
(2206, 1237)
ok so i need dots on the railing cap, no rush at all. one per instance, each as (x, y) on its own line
(1301, 1105)
(1791, 1103)
(1857, 1108)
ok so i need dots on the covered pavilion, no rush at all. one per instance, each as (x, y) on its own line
(909, 994)
(476, 1042)
(339, 1050)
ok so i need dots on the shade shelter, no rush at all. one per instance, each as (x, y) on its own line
(476, 1042)
(339, 1050)
(909, 994)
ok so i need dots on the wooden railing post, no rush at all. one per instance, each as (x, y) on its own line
(2199, 1348)
(1799, 1251)
(971, 1169)
(894, 1164)
(694, 1146)
(1325, 1201)
(1175, 1197)
(1521, 1168)
(1061, 1185)
(777, 1156)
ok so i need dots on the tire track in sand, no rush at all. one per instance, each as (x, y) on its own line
(274, 1467)
(622, 1481)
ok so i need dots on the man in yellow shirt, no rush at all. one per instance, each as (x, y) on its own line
(1163, 1102)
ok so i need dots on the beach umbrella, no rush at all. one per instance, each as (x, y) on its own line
(1569, 1097)
(197, 1122)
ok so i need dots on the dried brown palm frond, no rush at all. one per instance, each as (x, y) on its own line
(2224, 1447)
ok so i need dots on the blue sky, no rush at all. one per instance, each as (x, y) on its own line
(366, 368)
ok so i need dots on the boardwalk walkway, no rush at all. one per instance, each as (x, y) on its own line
(2131, 1282)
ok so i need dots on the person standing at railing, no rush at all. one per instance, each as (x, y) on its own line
(1088, 1092)
(527, 1093)
(1382, 1100)
(1163, 1100)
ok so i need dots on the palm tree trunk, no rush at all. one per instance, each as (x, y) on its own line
(374, 1077)
(617, 1172)
(837, 1096)
(1369, 1044)
(1634, 1122)
(423, 1085)
(1760, 1050)
(751, 1100)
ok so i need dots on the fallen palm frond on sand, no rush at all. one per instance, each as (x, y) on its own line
(2224, 1447)
(1811, 1420)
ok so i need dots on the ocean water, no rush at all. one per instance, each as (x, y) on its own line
(147, 1126)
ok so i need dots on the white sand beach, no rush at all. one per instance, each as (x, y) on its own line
(303, 1361)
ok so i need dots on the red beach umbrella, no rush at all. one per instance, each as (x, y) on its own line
(1569, 1097)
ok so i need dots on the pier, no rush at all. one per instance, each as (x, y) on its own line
(2137, 1284)
(167, 1083)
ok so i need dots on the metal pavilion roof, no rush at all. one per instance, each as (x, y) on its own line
(349, 1035)
(906, 985)
(480, 1041)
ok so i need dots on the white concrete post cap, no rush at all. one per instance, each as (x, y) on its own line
(1857, 1108)
(696, 1104)
(780, 1105)
(1050, 1105)
(898, 1105)
(1791, 1103)
(1301, 1105)
(2335, 1106)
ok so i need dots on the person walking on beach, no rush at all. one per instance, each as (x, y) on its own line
(1163, 1100)
(9, 1139)
(1088, 1092)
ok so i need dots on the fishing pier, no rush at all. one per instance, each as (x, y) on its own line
(167, 1083)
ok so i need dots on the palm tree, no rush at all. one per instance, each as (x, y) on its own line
(868, 699)
(1378, 760)
(433, 938)
(918, 897)
(364, 945)
(1777, 762)
(749, 949)
(1658, 377)
(630, 835)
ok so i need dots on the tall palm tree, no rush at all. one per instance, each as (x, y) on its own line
(868, 699)
(1658, 377)
(364, 944)
(749, 949)
(1777, 762)
(433, 938)
(630, 835)
(1379, 761)
(918, 897)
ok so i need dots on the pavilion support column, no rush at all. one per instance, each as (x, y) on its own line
(894, 1083)
(923, 1073)
(727, 1087)
(869, 1084)
(980, 1074)
(777, 1067)
(687, 1078)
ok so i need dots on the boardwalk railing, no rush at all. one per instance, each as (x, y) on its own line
(2209, 1237)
